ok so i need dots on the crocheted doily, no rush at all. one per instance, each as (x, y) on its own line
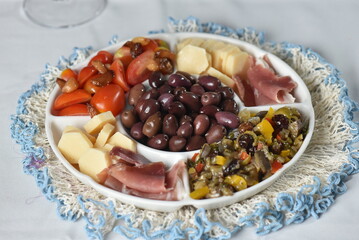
(307, 190)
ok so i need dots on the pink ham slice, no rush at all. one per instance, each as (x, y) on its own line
(149, 178)
(171, 195)
(269, 88)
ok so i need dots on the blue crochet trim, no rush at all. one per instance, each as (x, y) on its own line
(303, 205)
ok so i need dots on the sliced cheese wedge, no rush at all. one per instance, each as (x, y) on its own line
(73, 144)
(96, 123)
(107, 131)
(93, 161)
(192, 59)
(221, 76)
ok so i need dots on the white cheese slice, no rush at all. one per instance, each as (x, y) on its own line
(96, 123)
(93, 161)
(106, 132)
(73, 144)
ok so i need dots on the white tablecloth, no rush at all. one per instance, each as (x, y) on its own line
(328, 27)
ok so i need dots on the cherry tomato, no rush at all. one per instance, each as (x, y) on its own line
(119, 70)
(151, 45)
(102, 56)
(137, 71)
(109, 98)
(67, 74)
(85, 74)
(124, 54)
(79, 109)
(68, 99)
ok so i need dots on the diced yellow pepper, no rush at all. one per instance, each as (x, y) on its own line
(238, 182)
(285, 153)
(220, 160)
(270, 113)
(266, 129)
(199, 193)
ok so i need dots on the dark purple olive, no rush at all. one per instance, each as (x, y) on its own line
(165, 100)
(229, 105)
(177, 108)
(201, 124)
(135, 94)
(152, 93)
(227, 119)
(210, 98)
(188, 76)
(178, 80)
(156, 79)
(139, 106)
(150, 106)
(165, 88)
(170, 125)
(209, 83)
(195, 142)
(177, 143)
(178, 91)
(136, 131)
(191, 101)
(159, 141)
(197, 89)
(215, 133)
(226, 92)
(185, 118)
(185, 130)
(128, 118)
(209, 110)
(152, 125)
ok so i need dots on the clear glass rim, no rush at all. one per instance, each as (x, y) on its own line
(36, 21)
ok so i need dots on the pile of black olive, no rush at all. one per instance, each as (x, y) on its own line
(180, 113)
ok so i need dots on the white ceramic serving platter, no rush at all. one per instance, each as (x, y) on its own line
(55, 125)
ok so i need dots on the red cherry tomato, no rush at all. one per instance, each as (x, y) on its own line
(68, 99)
(120, 78)
(67, 74)
(102, 56)
(151, 45)
(85, 74)
(137, 71)
(109, 98)
(79, 109)
(124, 54)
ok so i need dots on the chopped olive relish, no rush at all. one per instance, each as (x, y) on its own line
(262, 143)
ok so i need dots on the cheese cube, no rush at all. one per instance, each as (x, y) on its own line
(93, 161)
(120, 140)
(108, 147)
(73, 144)
(96, 123)
(107, 131)
(75, 129)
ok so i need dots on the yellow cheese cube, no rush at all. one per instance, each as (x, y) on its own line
(96, 123)
(74, 129)
(107, 131)
(93, 161)
(118, 139)
(73, 144)
(108, 147)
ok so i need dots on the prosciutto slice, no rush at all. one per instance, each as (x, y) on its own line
(269, 88)
(149, 178)
(119, 154)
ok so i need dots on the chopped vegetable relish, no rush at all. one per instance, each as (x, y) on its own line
(259, 147)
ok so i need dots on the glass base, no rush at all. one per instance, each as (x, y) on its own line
(63, 13)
